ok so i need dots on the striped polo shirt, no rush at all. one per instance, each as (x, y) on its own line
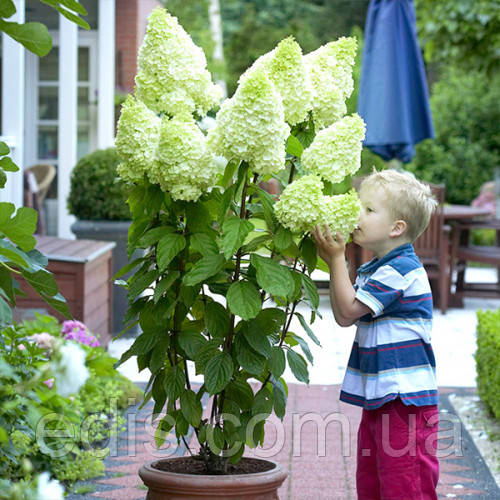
(392, 355)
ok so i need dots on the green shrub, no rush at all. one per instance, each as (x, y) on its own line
(96, 193)
(467, 145)
(488, 359)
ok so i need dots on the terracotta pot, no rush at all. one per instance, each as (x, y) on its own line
(174, 486)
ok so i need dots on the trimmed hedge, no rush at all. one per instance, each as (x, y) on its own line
(488, 359)
(96, 192)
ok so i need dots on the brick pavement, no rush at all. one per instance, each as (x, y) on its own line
(321, 465)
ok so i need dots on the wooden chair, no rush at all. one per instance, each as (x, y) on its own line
(463, 251)
(433, 249)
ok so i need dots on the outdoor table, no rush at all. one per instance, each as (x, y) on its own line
(464, 212)
(83, 270)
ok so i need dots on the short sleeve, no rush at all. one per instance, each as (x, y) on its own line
(383, 288)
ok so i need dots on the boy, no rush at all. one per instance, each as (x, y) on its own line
(391, 369)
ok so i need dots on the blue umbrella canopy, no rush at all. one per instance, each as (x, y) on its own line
(393, 96)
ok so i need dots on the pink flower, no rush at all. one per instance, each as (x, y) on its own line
(76, 330)
(71, 398)
(21, 347)
(44, 340)
(49, 382)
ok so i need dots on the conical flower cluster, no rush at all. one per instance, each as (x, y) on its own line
(330, 71)
(302, 206)
(185, 167)
(251, 126)
(172, 75)
(137, 139)
(341, 213)
(336, 151)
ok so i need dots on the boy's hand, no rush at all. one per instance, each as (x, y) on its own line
(328, 247)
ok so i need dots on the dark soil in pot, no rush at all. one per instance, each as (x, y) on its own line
(191, 465)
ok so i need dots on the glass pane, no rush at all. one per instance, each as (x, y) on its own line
(83, 141)
(47, 103)
(47, 142)
(49, 66)
(83, 64)
(83, 104)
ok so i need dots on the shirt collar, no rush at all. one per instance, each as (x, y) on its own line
(403, 250)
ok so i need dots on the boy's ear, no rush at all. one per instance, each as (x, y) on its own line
(398, 228)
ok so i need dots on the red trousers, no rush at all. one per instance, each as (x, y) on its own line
(397, 453)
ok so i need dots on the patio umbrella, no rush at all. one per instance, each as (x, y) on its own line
(393, 97)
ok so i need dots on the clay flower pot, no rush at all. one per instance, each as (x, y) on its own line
(165, 485)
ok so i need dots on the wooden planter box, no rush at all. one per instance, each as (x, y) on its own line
(83, 270)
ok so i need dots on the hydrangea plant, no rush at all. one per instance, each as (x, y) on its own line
(226, 265)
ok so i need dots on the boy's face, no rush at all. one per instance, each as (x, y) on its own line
(375, 222)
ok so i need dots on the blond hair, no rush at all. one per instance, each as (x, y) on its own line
(407, 199)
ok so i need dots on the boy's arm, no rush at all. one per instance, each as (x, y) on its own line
(346, 308)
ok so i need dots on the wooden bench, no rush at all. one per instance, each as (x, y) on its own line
(83, 270)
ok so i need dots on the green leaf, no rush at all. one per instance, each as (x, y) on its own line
(191, 407)
(154, 235)
(244, 299)
(164, 284)
(58, 302)
(125, 269)
(241, 392)
(229, 171)
(277, 361)
(269, 320)
(205, 268)
(234, 232)
(168, 247)
(283, 238)
(34, 36)
(256, 243)
(204, 354)
(159, 354)
(272, 277)
(216, 319)
(42, 281)
(198, 218)
(279, 399)
(8, 165)
(267, 204)
(144, 343)
(3, 179)
(174, 382)
(249, 360)
(190, 342)
(181, 425)
(4, 149)
(263, 403)
(311, 290)
(257, 338)
(298, 366)
(307, 328)
(7, 8)
(204, 243)
(309, 254)
(6, 283)
(293, 146)
(218, 372)
(20, 228)
(73, 17)
(5, 313)
(138, 284)
(304, 347)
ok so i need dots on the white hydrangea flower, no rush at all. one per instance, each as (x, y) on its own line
(341, 213)
(330, 71)
(186, 167)
(302, 204)
(284, 65)
(172, 75)
(251, 125)
(136, 139)
(48, 489)
(336, 151)
(69, 369)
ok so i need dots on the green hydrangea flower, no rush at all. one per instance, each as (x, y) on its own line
(172, 76)
(284, 66)
(336, 151)
(251, 125)
(185, 167)
(330, 71)
(136, 139)
(341, 213)
(302, 204)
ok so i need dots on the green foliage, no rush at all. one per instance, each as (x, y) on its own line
(467, 145)
(34, 36)
(86, 421)
(464, 33)
(488, 359)
(96, 193)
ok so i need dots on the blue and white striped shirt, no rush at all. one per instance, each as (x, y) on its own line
(391, 355)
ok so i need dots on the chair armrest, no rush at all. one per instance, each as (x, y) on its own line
(479, 224)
